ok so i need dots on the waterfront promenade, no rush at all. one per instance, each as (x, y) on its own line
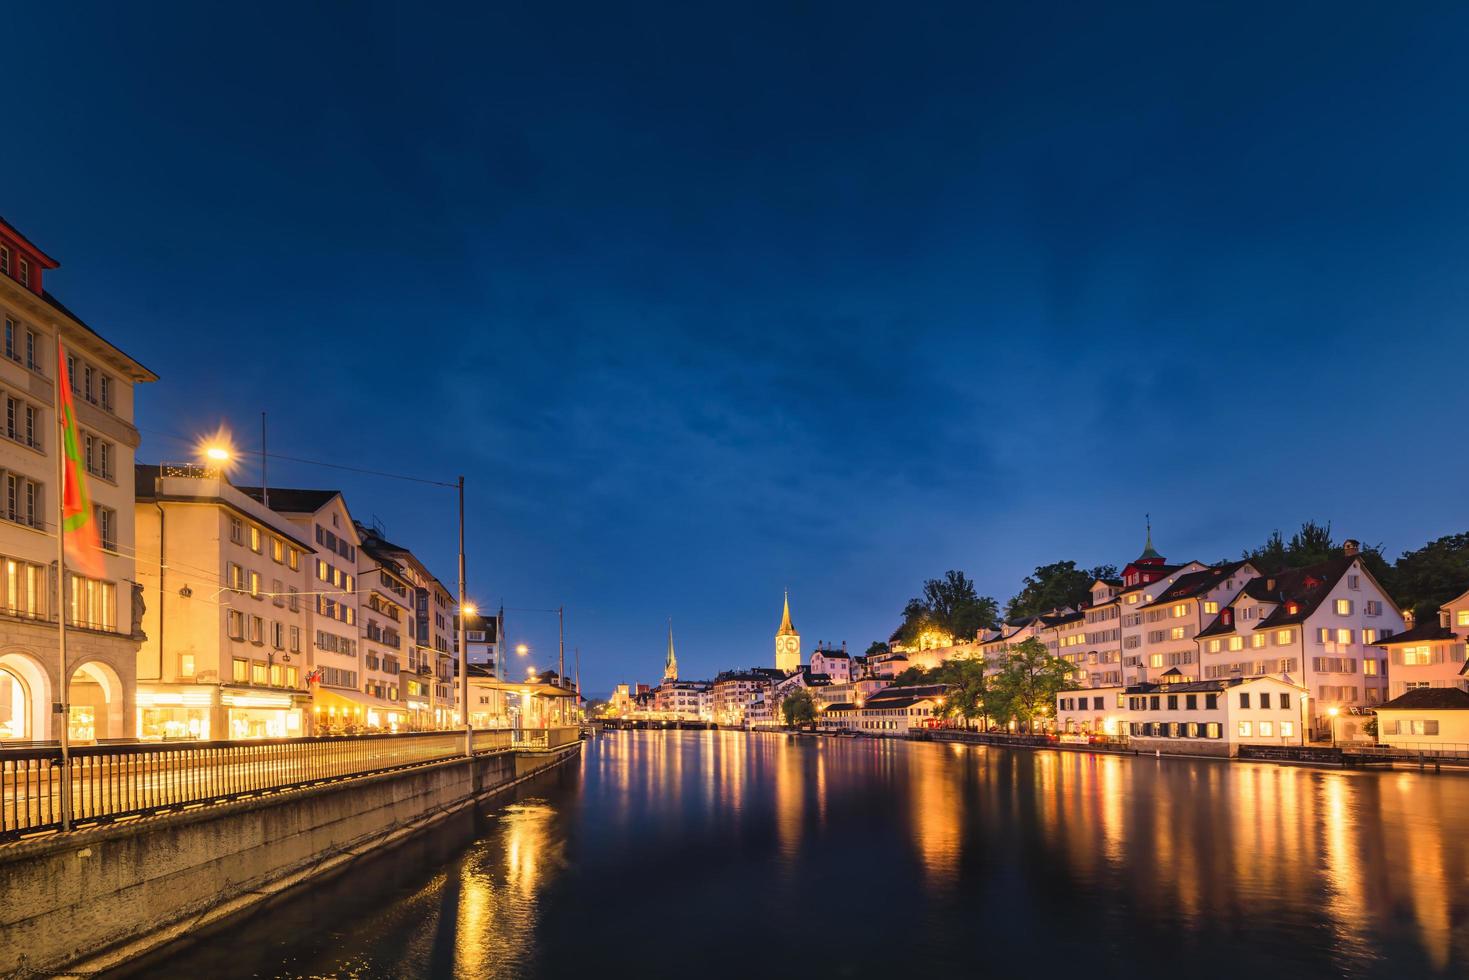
(171, 840)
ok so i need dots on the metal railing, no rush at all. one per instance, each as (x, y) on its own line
(107, 782)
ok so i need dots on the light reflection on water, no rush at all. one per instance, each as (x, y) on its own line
(672, 853)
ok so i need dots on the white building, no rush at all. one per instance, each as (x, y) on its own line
(104, 613)
(228, 627)
(1319, 625)
(1216, 717)
(835, 664)
(336, 676)
(1430, 654)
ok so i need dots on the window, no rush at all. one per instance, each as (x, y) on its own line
(258, 673)
(1180, 610)
(1213, 646)
(1343, 607)
(255, 584)
(1246, 729)
(186, 665)
(1212, 730)
(235, 623)
(23, 501)
(23, 422)
(1176, 633)
(106, 387)
(4, 260)
(93, 603)
(255, 539)
(1344, 636)
(1419, 656)
(241, 673)
(1422, 726)
(1462, 618)
(1155, 660)
(1257, 640)
(1354, 581)
(295, 639)
(1264, 701)
(1211, 606)
(25, 272)
(1244, 699)
(107, 527)
(294, 557)
(277, 550)
(293, 599)
(1236, 643)
(278, 635)
(1284, 637)
(1267, 729)
(257, 630)
(237, 530)
(1285, 701)
(1173, 702)
(1287, 729)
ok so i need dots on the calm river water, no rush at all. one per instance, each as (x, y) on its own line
(721, 854)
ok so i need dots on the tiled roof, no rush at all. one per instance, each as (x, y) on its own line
(1429, 698)
(1197, 583)
(1306, 588)
(293, 501)
(1422, 633)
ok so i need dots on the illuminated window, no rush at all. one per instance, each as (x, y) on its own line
(1267, 729)
(186, 665)
(1211, 606)
(1245, 729)
(1463, 617)
(1180, 610)
(277, 550)
(259, 674)
(1257, 640)
(1132, 599)
(1344, 636)
(1417, 656)
(1283, 637)
(1176, 633)
(1369, 667)
(1343, 607)
(235, 622)
(1287, 729)
(241, 671)
(1236, 643)
(295, 558)
(1156, 660)
(255, 584)
(1211, 730)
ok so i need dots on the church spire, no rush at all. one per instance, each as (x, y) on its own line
(786, 629)
(670, 662)
(1148, 550)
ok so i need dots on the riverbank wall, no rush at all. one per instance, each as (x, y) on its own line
(97, 899)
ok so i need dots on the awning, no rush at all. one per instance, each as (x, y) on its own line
(351, 702)
(534, 690)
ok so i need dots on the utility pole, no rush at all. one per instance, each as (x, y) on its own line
(264, 483)
(463, 651)
(561, 643)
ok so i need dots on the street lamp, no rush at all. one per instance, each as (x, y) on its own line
(522, 649)
(1332, 712)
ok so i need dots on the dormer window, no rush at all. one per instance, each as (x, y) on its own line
(25, 273)
(1292, 608)
(4, 260)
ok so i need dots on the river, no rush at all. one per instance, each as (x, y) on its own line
(723, 854)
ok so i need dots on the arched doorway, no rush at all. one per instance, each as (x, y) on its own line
(25, 699)
(96, 699)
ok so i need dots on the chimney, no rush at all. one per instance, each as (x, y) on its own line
(1351, 546)
(1270, 585)
(1408, 618)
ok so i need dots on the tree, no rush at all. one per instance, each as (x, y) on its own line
(1030, 680)
(1056, 586)
(972, 694)
(1310, 545)
(949, 605)
(1425, 579)
(877, 647)
(798, 708)
(912, 677)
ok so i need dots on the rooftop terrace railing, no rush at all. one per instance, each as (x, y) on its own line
(110, 782)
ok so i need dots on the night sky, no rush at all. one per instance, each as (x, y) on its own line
(708, 303)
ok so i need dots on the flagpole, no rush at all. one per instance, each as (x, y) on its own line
(64, 689)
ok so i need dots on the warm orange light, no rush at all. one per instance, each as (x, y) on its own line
(522, 649)
(469, 609)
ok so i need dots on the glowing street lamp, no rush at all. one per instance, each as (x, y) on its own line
(522, 649)
(1332, 712)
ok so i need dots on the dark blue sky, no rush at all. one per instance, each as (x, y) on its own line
(707, 303)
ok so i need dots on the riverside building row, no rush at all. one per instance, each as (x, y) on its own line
(223, 611)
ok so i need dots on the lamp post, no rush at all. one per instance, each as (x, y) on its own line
(1331, 713)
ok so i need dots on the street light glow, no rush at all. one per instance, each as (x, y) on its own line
(218, 453)
(469, 609)
(522, 649)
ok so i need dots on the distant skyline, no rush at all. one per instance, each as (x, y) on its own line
(706, 305)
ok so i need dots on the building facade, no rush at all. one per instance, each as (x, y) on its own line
(104, 615)
(226, 651)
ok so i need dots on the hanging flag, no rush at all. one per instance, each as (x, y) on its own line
(78, 521)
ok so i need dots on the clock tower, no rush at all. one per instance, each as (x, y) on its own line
(787, 642)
